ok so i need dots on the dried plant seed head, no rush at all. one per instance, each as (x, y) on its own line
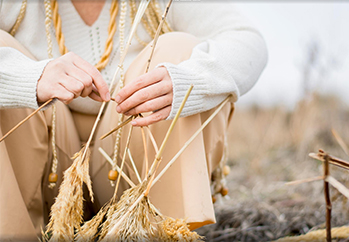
(177, 230)
(67, 211)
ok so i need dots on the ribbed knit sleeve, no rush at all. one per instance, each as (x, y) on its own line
(18, 79)
(229, 60)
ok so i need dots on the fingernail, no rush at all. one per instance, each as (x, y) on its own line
(118, 109)
(117, 99)
(107, 96)
(134, 122)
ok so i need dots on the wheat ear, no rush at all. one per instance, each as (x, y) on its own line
(67, 211)
(140, 199)
(142, 195)
(70, 197)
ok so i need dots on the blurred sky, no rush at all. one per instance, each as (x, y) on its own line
(288, 29)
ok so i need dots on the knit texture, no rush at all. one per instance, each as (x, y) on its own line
(21, 75)
(229, 59)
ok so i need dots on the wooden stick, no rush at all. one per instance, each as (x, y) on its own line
(26, 119)
(129, 119)
(145, 152)
(134, 165)
(107, 157)
(327, 199)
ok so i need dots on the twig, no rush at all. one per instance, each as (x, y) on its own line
(169, 131)
(304, 180)
(339, 186)
(123, 159)
(145, 152)
(25, 119)
(157, 34)
(134, 165)
(107, 157)
(129, 119)
(152, 139)
(333, 160)
(327, 198)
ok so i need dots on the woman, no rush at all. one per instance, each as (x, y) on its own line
(217, 50)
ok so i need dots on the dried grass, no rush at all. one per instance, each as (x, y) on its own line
(67, 211)
(144, 223)
(138, 226)
(177, 230)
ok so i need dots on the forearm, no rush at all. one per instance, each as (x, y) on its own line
(229, 59)
(18, 79)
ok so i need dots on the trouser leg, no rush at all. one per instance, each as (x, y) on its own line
(184, 191)
(23, 163)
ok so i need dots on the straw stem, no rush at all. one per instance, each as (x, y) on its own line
(107, 157)
(169, 131)
(26, 119)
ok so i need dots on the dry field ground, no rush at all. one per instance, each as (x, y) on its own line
(269, 147)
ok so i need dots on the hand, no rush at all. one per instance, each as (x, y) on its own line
(69, 77)
(151, 92)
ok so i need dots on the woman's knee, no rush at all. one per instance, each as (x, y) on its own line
(175, 47)
(7, 40)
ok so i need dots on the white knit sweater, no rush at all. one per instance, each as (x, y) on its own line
(229, 59)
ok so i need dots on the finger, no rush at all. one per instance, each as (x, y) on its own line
(82, 77)
(62, 94)
(97, 78)
(139, 83)
(72, 85)
(146, 94)
(153, 118)
(151, 105)
(95, 97)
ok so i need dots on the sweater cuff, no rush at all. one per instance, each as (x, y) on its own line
(181, 81)
(19, 83)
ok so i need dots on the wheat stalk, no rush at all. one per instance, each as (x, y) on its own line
(118, 169)
(25, 119)
(62, 225)
(125, 222)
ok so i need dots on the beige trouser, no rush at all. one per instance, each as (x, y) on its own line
(25, 156)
